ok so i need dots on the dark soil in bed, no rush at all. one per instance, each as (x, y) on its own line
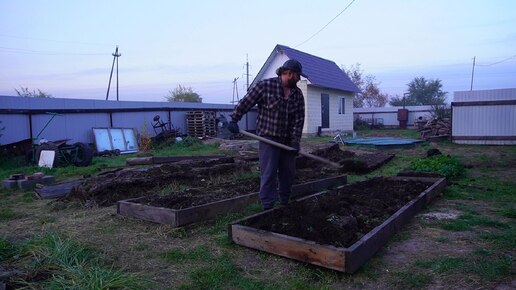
(342, 216)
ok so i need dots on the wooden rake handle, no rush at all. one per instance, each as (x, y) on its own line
(288, 148)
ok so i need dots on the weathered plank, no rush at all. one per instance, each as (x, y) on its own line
(290, 247)
(132, 208)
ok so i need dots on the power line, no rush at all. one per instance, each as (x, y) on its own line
(498, 62)
(325, 25)
(42, 52)
(51, 40)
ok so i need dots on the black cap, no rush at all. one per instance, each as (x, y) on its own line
(292, 65)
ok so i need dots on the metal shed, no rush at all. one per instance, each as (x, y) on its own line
(484, 117)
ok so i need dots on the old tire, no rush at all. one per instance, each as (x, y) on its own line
(48, 146)
(84, 154)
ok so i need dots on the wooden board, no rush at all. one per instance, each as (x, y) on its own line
(180, 217)
(346, 260)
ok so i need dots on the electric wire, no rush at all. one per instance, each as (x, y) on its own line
(325, 25)
(41, 52)
(498, 62)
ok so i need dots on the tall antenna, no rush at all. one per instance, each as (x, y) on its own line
(247, 71)
(115, 55)
(235, 89)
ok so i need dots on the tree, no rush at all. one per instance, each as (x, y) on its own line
(26, 93)
(421, 92)
(183, 94)
(370, 94)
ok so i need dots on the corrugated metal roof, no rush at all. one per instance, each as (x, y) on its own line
(319, 71)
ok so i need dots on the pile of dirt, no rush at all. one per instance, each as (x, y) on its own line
(342, 216)
(350, 162)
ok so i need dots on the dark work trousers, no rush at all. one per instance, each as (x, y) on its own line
(276, 164)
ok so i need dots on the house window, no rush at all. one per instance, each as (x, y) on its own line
(342, 105)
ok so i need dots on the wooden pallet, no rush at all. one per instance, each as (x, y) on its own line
(201, 123)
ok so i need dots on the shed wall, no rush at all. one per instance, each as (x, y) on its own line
(77, 117)
(484, 117)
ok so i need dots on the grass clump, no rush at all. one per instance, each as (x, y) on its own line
(65, 265)
(444, 165)
(7, 214)
(7, 250)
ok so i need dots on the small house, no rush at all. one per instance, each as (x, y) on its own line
(328, 91)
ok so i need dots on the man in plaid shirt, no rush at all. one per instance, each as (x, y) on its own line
(281, 115)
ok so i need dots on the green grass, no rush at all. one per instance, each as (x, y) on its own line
(508, 212)
(223, 273)
(200, 253)
(468, 221)
(444, 165)
(190, 146)
(7, 250)
(491, 267)
(70, 265)
(410, 280)
(487, 265)
(7, 214)
(503, 239)
(402, 133)
(484, 189)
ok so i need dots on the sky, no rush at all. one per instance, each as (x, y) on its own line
(64, 48)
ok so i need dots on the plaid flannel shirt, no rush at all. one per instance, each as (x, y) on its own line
(277, 116)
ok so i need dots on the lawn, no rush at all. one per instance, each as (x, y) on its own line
(59, 245)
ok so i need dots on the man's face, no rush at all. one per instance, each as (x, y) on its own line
(290, 78)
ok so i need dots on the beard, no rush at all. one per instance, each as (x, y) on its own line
(291, 83)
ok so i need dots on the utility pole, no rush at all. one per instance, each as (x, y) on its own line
(472, 73)
(235, 88)
(247, 70)
(115, 55)
(247, 87)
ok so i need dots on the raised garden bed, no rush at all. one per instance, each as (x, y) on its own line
(208, 203)
(340, 229)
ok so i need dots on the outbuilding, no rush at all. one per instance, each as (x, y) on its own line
(328, 91)
(484, 117)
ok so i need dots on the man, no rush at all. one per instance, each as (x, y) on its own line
(281, 115)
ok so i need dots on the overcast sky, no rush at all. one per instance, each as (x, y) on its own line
(65, 48)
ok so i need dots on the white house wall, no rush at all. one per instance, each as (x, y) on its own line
(313, 119)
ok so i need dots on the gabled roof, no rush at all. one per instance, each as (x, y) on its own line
(319, 71)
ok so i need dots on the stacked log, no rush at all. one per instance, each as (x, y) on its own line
(436, 128)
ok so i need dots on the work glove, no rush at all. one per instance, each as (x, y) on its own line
(233, 127)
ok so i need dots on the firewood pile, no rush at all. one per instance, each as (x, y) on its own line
(434, 128)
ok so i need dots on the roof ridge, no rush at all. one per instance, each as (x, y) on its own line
(302, 52)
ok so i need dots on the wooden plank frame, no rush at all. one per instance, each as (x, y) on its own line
(346, 260)
(180, 217)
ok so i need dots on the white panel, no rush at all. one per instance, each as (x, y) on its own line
(484, 95)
